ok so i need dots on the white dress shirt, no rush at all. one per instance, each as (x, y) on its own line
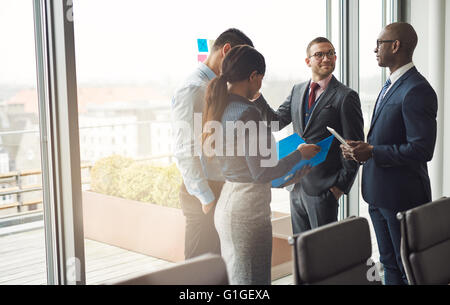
(397, 74)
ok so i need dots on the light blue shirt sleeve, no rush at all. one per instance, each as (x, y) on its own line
(187, 104)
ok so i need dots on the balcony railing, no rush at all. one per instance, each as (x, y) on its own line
(15, 132)
(15, 178)
(19, 189)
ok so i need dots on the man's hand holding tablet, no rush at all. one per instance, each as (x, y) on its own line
(347, 150)
(338, 136)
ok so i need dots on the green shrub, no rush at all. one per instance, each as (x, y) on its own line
(141, 181)
(167, 186)
(105, 174)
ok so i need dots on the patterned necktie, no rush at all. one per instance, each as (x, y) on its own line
(312, 94)
(383, 91)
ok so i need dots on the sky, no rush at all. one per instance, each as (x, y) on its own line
(147, 41)
(17, 53)
(137, 41)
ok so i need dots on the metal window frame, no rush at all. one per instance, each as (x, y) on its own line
(399, 11)
(393, 11)
(60, 152)
(58, 113)
(349, 11)
(328, 19)
(349, 74)
(330, 6)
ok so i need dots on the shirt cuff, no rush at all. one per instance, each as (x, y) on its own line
(375, 155)
(206, 197)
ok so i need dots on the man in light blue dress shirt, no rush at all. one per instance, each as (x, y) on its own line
(202, 179)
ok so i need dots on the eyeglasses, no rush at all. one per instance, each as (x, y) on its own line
(320, 55)
(379, 42)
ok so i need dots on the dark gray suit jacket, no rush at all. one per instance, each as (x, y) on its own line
(339, 108)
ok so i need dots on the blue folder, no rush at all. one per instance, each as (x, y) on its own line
(289, 144)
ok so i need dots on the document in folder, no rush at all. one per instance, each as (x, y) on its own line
(289, 144)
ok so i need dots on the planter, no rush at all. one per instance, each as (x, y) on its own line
(159, 231)
(281, 249)
(133, 225)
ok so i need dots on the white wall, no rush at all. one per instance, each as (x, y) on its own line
(429, 20)
(446, 110)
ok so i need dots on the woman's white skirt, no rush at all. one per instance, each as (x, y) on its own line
(242, 219)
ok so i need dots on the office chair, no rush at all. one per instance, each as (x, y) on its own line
(335, 254)
(208, 269)
(425, 243)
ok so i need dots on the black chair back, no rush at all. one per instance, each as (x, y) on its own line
(207, 269)
(336, 254)
(425, 243)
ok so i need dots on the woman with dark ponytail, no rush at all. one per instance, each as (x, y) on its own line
(242, 216)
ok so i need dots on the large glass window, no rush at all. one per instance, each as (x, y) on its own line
(22, 241)
(371, 75)
(334, 11)
(130, 58)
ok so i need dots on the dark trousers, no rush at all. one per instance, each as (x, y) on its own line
(387, 231)
(309, 212)
(201, 236)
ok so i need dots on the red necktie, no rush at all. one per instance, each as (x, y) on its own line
(312, 94)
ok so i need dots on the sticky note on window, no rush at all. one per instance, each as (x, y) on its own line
(201, 57)
(202, 45)
(210, 44)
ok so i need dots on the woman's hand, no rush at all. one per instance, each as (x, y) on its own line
(206, 208)
(308, 151)
(298, 175)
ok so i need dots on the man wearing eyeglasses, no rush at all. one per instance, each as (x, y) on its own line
(312, 106)
(399, 144)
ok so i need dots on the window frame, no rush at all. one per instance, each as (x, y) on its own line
(58, 113)
(60, 153)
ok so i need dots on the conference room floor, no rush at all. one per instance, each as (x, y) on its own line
(24, 262)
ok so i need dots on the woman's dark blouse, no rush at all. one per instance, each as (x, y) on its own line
(247, 167)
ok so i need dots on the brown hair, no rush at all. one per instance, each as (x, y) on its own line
(317, 40)
(238, 65)
(232, 36)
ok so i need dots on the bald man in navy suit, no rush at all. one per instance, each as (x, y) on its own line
(400, 142)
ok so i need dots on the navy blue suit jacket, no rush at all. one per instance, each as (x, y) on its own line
(403, 133)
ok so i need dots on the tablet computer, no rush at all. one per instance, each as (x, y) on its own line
(338, 136)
